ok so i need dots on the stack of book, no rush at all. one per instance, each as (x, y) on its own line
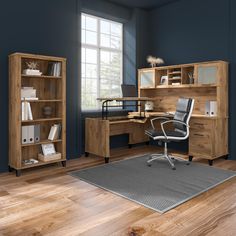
(55, 132)
(54, 69)
(28, 93)
(32, 72)
(26, 111)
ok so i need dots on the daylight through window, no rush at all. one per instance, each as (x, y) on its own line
(102, 51)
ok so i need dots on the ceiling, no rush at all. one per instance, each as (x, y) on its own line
(145, 4)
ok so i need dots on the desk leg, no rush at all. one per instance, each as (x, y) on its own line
(106, 160)
(210, 162)
(190, 158)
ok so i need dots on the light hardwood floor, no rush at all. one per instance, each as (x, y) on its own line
(48, 201)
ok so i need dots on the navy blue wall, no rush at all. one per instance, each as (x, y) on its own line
(42, 27)
(53, 28)
(198, 30)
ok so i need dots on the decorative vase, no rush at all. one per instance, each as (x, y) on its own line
(47, 111)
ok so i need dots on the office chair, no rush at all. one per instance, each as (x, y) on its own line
(180, 130)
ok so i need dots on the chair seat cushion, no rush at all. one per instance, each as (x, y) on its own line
(156, 133)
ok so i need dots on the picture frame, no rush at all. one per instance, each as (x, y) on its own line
(164, 80)
(48, 149)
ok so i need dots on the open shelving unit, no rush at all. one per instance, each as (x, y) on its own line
(51, 91)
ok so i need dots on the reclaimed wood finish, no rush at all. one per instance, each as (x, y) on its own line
(208, 135)
(51, 91)
(98, 132)
(51, 202)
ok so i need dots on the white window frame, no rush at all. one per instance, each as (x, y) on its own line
(100, 48)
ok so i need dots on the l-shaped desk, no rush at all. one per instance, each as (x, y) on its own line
(201, 139)
(208, 137)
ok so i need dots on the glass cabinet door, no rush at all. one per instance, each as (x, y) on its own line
(147, 79)
(207, 74)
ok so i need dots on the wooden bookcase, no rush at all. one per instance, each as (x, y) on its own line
(208, 134)
(51, 91)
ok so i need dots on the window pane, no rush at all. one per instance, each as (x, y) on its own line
(105, 40)
(91, 56)
(83, 69)
(83, 54)
(105, 27)
(83, 22)
(83, 36)
(91, 23)
(116, 59)
(83, 84)
(116, 29)
(91, 85)
(115, 42)
(91, 71)
(105, 57)
(91, 38)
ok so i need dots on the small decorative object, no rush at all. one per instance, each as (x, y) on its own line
(155, 61)
(47, 111)
(48, 149)
(164, 80)
(32, 65)
(32, 69)
(30, 161)
(190, 76)
(149, 106)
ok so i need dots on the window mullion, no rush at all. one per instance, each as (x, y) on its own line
(98, 60)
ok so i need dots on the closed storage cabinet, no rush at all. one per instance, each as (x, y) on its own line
(202, 138)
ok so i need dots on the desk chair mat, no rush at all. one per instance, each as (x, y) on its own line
(158, 187)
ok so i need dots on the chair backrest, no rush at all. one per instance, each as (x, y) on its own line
(184, 109)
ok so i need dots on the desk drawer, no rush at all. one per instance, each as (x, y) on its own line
(201, 124)
(200, 146)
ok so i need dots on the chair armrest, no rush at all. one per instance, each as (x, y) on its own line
(158, 118)
(173, 121)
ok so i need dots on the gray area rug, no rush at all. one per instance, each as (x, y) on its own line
(158, 187)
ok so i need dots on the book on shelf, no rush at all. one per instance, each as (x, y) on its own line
(176, 77)
(54, 69)
(32, 72)
(30, 134)
(28, 93)
(30, 99)
(55, 132)
(175, 84)
(26, 112)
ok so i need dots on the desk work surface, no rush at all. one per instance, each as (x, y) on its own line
(127, 99)
(165, 114)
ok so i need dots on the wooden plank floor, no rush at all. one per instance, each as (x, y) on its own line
(48, 201)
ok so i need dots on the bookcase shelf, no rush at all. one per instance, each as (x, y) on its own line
(41, 120)
(40, 163)
(46, 100)
(41, 76)
(42, 142)
(51, 92)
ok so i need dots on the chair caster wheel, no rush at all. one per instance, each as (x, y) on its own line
(173, 168)
(149, 164)
(188, 163)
